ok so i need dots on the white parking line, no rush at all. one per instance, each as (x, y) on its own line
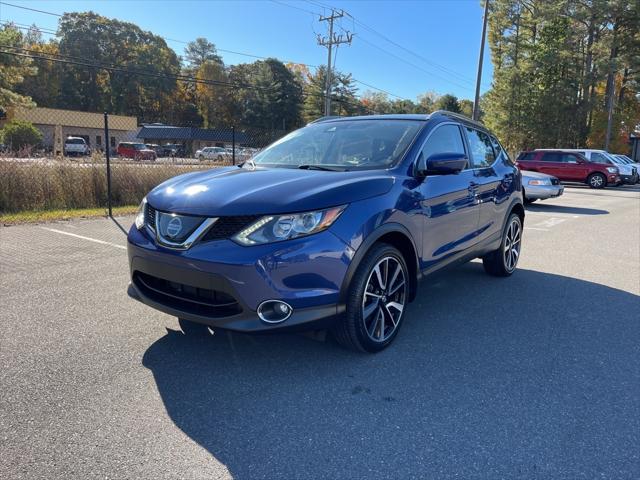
(539, 229)
(551, 222)
(552, 214)
(84, 238)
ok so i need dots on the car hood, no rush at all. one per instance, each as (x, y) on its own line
(242, 191)
(624, 169)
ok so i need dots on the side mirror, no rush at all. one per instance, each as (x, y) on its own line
(447, 163)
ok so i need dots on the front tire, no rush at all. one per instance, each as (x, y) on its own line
(597, 180)
(503, 261)
(377, 300)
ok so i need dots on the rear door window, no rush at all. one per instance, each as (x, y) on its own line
(569, 158)
(527, 156)
(482, 154)
(552, 157)
(500, 152)
(598, 157)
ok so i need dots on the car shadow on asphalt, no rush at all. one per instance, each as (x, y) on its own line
(532, 375)
(550, 208)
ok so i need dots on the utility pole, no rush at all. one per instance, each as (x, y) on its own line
(476, 102)
(329, 42)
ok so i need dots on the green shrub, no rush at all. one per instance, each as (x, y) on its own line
(18, 134)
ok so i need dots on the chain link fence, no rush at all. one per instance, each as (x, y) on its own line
(59, 161)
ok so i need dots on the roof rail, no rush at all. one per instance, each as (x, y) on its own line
(459, 116)
(322, 119)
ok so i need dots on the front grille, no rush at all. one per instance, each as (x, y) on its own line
(555, 181)
(199, 301)
(150, 216)
(226, 227)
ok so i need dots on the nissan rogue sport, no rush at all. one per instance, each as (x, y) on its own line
(331, 226)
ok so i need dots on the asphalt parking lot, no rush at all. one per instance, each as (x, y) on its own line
(534, 376)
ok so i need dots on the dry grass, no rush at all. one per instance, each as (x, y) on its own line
(42, 216)
(50, 185)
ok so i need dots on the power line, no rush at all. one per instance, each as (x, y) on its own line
(50, 31)
(31, 9)
(418, 67)
(397, 45)
(116, 68)
(294, 6)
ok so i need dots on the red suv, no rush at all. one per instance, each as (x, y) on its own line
(137, 151)
(569, 167)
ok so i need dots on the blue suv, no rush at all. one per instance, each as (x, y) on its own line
(331, 226)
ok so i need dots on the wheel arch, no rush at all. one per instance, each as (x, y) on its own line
(518, 209)
(392, 234)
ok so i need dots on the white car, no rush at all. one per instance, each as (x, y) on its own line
(540, 186)
(628, 161)
(214, 153)
(76, 146)
(628, 173)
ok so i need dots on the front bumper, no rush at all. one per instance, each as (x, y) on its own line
(613, 179)
(221, 284)
(543, 192)
(629, 179)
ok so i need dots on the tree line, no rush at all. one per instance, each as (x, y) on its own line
(100, 64)
(566, 74)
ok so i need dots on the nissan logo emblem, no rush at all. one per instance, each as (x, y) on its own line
(174, 227)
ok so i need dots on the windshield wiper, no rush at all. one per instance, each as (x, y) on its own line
(321, 167)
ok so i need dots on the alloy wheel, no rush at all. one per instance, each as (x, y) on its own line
(596, 181)
(512, 241)
(384, 299)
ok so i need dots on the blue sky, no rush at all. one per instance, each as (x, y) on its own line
(441, 37)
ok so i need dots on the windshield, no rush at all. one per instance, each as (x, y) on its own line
(343, 145)
(139, 146)
(75, 141)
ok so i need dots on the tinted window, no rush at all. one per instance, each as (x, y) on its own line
(444, 139)
(348, 144)
(569, 158)
(482, 154)
(501, 153)
(527, 156)
(599, 158)
(552, 157)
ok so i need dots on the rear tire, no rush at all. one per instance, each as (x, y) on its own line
(597, 180)
(377, 300)
(503, 261)
(193, 328)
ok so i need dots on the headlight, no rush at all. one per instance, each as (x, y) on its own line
(540, 182)
(612, 170)
(140, 215)
(276, 228)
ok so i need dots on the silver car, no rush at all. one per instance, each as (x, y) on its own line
(540, 186)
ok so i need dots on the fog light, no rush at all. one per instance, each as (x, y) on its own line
(274, 311)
